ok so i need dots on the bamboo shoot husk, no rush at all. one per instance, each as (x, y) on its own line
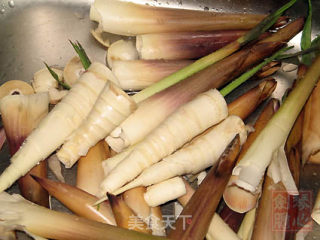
(78, 201)
(2, 137)
(264, 228)
(231, 218)
(113, 18)
(238, 199)
(89, 170)
(218, 229)
(125, 217)
(244, 105)
(134, 198)
(246, 228)
(20, 213)
(20, 115)
(183, 45)
(139, 74)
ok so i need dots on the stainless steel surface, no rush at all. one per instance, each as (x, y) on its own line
(33, 31)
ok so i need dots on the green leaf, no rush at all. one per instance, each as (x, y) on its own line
(306, 36)
(265, 24)
(312, 49)
(56, 77)
(244, 77)
(316, 41)
(82, 54)
(315, 44)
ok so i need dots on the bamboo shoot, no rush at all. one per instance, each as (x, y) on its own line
(111, 108)
(113, 18)
(165, 191)
(200, 154)
(57, 125)
(188, 121)
(20, 115)
(19, 213)
(152, 111)
(138, 74)
(183, 45)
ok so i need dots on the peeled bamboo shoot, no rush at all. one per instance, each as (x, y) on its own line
(111, 108)
(188, 121)
(57, 125)
(200, 154)
(113, 161)
(138, 74)
(165, 191)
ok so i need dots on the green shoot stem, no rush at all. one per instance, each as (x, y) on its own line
(265, 24)
(212, 58)
(306, 36)
(82, 54)
(296, 54)
(244, 77)
(56, 77)
(252, 166)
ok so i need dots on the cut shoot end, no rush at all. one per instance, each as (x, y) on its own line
(252, 166)
(15, 87)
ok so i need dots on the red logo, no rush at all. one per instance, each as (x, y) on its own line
(291, 213)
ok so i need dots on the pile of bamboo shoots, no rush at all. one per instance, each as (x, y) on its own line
(136, 153)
